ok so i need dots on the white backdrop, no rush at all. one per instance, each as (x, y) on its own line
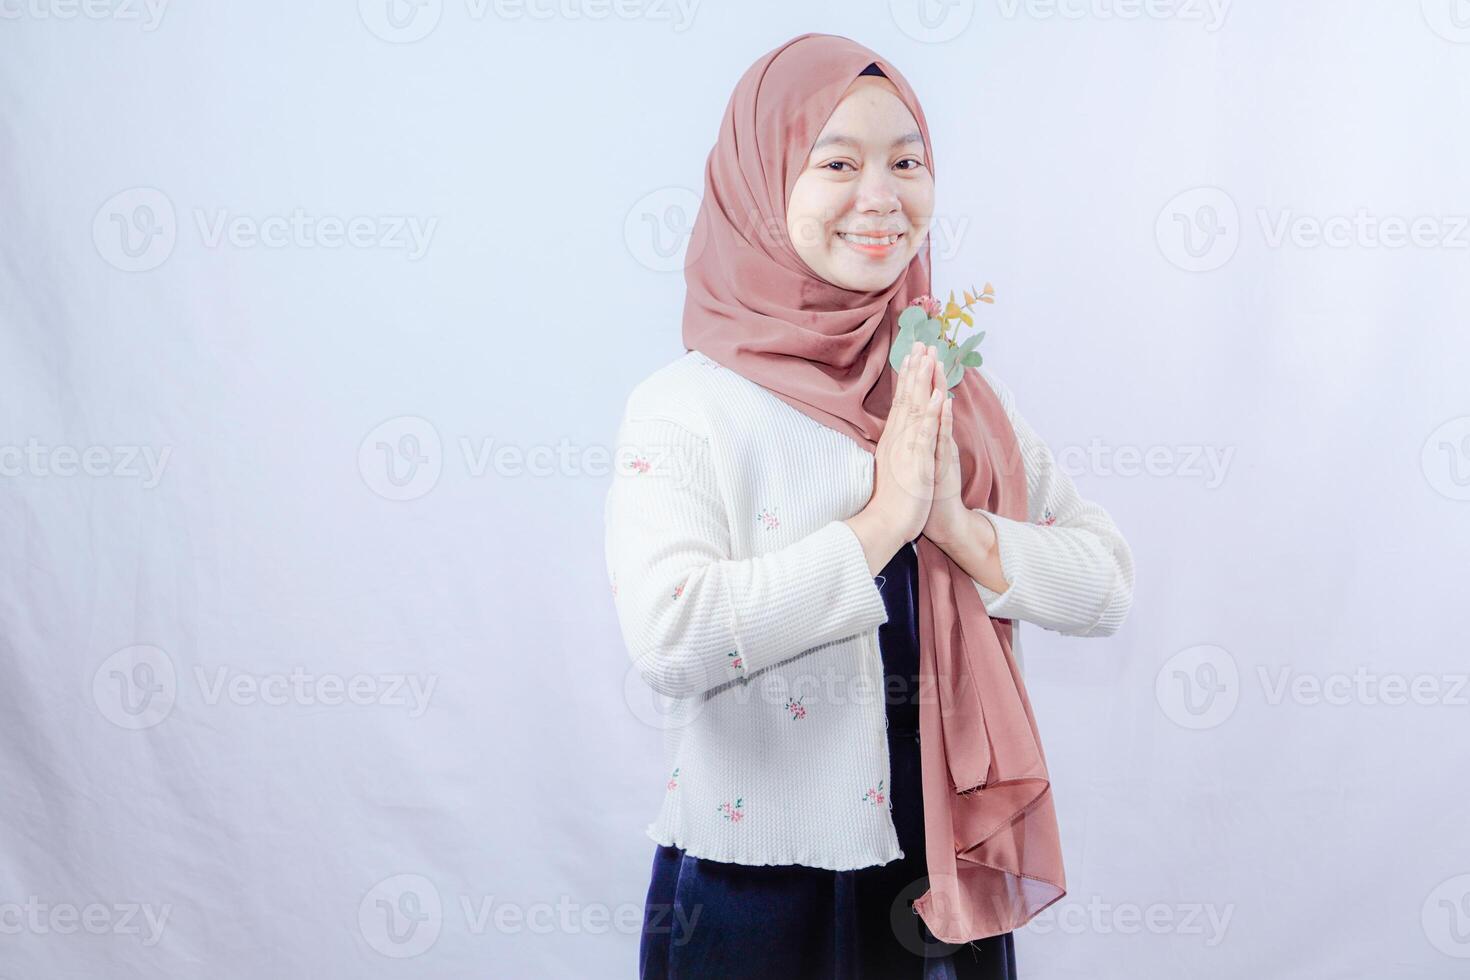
(317, 321)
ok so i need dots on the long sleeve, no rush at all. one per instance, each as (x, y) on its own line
(1069, 568)
(692, 617)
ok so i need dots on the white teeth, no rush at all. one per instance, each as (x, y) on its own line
(865, 240)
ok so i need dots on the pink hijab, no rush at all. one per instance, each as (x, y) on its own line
(992, 846)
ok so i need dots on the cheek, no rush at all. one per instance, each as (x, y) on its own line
(813, 207)
(918, 202)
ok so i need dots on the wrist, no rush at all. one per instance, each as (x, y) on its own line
(951, 522)
(879, 544)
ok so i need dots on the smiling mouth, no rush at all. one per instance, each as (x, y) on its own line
(873, 247)
(870, 241)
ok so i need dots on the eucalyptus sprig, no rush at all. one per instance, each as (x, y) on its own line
(937, 326)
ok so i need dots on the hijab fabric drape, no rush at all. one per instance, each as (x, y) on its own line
(992, 845)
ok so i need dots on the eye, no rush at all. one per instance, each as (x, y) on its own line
(913, 160)
(829, 163)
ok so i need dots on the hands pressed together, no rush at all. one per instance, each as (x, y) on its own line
(916, 478)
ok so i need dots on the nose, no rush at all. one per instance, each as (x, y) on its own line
(877, 192)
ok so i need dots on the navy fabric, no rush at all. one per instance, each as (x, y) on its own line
(707, 918)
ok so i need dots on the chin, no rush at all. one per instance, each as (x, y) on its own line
(871, 279)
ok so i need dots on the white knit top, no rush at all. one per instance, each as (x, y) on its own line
(745, 600)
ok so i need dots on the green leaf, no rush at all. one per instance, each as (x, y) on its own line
(955, 373)
(901, 346)
(911, 317)
(972, 359)
(971, 341)
(929, 331)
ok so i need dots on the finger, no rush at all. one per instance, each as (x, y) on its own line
(919, 384)
(911, 380)
(935, 375)
(900, 384)
(919, 402)
(928, 424)
(927, 434)
(898, 412)
(916, 366)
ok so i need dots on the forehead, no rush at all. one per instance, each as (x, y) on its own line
(870, 111)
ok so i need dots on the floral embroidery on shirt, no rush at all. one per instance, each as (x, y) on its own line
(678, 591)
(1048, 517)
(736, 660)
(874, 796)
(732, 813)
(768, 519)
(674, 779)
(797, 709)
(639, 465)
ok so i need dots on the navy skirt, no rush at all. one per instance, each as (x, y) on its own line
(706, 918)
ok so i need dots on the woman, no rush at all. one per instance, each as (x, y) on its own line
(820, 560)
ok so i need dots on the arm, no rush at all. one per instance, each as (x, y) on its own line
(694, 618)
(1069, 568)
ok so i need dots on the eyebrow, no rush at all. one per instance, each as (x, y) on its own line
(911, 137)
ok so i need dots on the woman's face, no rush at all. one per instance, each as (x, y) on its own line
(866, 178)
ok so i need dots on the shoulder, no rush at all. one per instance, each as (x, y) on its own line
(691, 390)
(704, 396)
(671, 392)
